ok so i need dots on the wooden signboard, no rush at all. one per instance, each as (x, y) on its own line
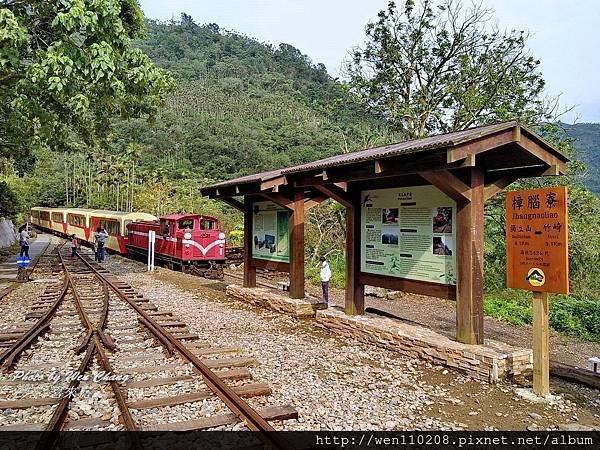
(537, 254)
(537, 258)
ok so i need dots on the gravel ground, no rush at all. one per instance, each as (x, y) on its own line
(340, 385)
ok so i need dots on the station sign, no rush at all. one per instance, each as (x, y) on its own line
(537, 253)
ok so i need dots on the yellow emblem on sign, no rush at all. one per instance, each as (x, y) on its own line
(536, 277)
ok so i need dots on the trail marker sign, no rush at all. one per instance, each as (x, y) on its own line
(537, 253)
(537, 258)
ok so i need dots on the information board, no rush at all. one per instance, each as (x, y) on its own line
(537, 253)
(409, 233)
(270, 232)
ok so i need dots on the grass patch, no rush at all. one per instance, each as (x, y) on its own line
(571, 315)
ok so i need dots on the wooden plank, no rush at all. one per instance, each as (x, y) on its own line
(296, 230)
(483, 144)
(405, 285)
(23, 427)
(449, 184)
(314, 201)
(216, 351)
(279, 199)
(249, 270)
(230, 362)
(88, 422)
(337, 194)
(269, 413)
(541, 344)
(576, 374)
(233, 203)
(527, 144)
(247, 390)
(25, 403)
(234, 374)
(469, 261)
(155, 368)
(271, 265)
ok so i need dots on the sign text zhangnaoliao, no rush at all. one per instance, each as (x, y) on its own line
(537, 253)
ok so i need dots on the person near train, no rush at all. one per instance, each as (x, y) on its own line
(24, 241)
(100, 239)
(325, 277)
(74, 245)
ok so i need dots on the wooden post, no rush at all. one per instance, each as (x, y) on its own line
(541, 343)
(469, 260)
(355, 291)
(296, 226)
(249, 270)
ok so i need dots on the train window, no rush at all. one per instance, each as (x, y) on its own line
(186, 224)
(164, 227)
(35, 214)
(112, 227)
(76, 220)
(207, 224)
(57, 217)
(125, 230)
(44, 215)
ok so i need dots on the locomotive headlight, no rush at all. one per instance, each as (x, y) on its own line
(187, 236)
(187, 245)
(221, 235)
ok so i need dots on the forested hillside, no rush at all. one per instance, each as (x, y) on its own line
(587, 141)
(239, 106)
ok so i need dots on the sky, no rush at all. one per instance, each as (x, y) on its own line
(564, 35)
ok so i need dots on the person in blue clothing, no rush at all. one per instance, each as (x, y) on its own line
(100, 238)
(24, 240)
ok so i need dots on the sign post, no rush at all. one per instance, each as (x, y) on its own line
(151, 242)
(537, 258)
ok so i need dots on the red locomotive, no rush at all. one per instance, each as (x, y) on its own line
(190, 242)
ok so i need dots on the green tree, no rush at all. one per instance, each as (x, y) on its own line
(66, 68)
(437, 67)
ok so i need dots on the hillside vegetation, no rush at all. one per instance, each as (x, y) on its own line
(587, 141)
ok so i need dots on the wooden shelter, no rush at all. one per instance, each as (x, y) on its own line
(468, 166)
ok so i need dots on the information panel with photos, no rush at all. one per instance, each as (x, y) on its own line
(409, 233)
(270, 232)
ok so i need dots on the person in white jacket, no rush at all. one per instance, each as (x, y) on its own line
(325, 277)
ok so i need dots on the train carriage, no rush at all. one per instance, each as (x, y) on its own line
(191, 242)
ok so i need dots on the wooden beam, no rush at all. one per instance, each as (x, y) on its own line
(336, 194)
(278, 266)
(314, 201)
(296, 227)
(234, 203)
(405, 285)
(483, 144)
(541, 355)
(449, 184)
(273, 183)
(542, 154)
(355, 289)
(496, 186)
(249, 270)
(279, 199)
(469, 261)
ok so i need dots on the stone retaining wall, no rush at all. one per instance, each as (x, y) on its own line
(267, 298)
(490, 362)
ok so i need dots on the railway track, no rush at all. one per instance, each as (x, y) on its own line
(94, 354)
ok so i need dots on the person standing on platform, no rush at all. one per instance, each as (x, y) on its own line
(24, 241)
(74, 245)
(100, 238)
(325, 277)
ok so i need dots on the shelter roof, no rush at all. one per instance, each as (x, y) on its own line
(510, 146)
